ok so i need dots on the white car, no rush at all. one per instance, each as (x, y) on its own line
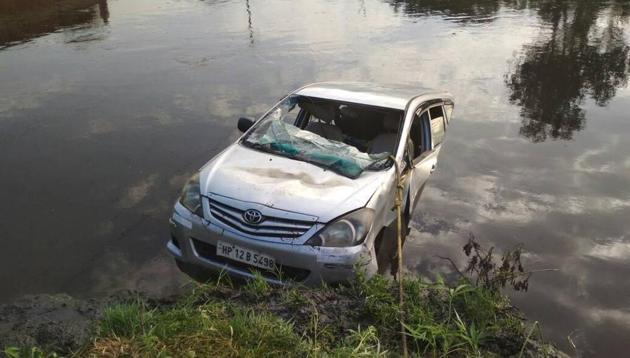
(307, 193)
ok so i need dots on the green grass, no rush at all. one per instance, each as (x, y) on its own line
(28, 352)
(257, 286)
(208, 329)
(360, 320)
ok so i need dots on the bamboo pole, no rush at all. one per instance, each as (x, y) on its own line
(398, 204)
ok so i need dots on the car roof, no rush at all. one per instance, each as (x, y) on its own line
(373, 94)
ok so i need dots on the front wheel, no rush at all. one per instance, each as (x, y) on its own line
(386, 246)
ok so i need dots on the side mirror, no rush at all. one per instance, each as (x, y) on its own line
(244, 124)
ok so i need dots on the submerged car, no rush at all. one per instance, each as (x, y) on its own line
(307, 193)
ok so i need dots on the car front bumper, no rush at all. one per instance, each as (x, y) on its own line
(194, 240)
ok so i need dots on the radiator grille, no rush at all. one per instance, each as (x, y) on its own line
(270, 226)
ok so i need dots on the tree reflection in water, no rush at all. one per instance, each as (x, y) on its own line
(24, 20)
(460, 11)
(583, 53)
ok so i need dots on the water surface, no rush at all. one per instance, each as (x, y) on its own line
(106, 107)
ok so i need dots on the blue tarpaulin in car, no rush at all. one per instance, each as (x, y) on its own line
(294, 142)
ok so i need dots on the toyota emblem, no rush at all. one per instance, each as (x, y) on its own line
(252, 216)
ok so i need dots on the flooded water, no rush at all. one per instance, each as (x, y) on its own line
(106, 107)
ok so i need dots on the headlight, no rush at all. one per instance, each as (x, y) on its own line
(348, 230)
(191, 196)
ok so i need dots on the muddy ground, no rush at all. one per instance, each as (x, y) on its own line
(59, 322)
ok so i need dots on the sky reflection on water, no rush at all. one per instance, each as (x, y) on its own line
(107, 106)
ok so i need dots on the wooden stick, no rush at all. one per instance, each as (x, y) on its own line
(398, 203)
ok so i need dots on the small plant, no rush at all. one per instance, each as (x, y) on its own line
(379, 302)
(473, 336)
(31, 352)
(493, 275)
(361, 343)
(293, 297)
(224, 279)
(123, 319)
(451, 320)
(257, 286)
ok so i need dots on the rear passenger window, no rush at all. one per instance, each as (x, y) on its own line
(437, 125)
(448, 109)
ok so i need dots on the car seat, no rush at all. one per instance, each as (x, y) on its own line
(386, 140)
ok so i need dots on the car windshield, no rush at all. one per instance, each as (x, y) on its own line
(345, 138)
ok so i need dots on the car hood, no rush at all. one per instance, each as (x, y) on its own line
(250, 175)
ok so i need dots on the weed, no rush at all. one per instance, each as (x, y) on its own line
(257, 286)
(293, 297)
(472, 335)
(361, 343)
(123, 319)
(494, 275)
(379, 302)
(27, 352)
(527, 339)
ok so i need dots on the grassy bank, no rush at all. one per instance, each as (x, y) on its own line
(219, 319)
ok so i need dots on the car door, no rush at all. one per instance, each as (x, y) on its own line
(425, 138)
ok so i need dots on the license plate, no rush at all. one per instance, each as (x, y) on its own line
(247, 256)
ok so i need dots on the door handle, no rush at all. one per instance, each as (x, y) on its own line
(432, 169)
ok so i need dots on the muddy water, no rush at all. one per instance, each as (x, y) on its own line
(107, 106)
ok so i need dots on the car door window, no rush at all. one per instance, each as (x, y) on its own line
(437, 125)
(420, 140)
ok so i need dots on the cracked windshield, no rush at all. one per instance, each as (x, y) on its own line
(322, 142)
(108, 108)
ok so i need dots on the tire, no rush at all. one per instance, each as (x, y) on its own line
(382, 252)
(393, 265)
